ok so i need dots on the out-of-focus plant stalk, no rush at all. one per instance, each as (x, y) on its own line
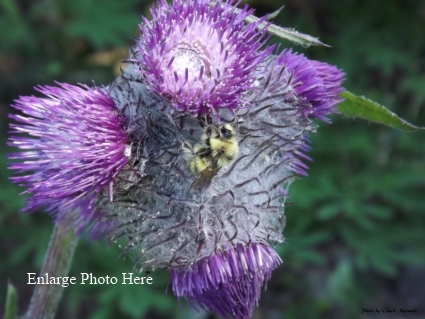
(57, 262)
(11, 302)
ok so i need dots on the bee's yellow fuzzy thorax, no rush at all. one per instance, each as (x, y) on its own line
(218, 148)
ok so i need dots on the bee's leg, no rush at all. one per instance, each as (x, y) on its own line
(205, 121)
(204, 152)
(208, 119)
(207, 135)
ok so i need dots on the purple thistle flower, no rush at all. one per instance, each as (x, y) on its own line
(167, 225)
(317, 84)
(201, 56)
(84, 216)
(214, 241)
(315, 87)
(223, 282)
(73, 144)
(206, 62)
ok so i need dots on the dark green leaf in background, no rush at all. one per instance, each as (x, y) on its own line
(103, 22)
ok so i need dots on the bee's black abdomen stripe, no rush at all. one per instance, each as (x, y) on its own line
(204, 152)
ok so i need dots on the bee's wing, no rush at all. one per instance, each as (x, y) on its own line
(205, 177)
(207, 174)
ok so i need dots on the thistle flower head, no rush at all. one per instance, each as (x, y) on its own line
(228, 223)
(201, 56)
(205, 60)
(215, 241)
(72, 145)
(228, 282)
(316, 84)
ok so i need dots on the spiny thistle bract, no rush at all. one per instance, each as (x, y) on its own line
(194, 61)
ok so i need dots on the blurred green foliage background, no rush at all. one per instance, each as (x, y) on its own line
(355, 233)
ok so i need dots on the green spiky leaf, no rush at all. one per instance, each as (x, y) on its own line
(290, 34)
(360, 106)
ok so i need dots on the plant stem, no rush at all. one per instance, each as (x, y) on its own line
(58, 259)
(11, 302)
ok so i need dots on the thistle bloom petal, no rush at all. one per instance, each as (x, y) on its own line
(228, 282)
(315, 87)
(202, 57)
(317, 84)
(73, 143)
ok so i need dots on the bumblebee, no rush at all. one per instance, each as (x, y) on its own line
(217, 149)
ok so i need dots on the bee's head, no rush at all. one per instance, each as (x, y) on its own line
(221, 132)
(226, 131)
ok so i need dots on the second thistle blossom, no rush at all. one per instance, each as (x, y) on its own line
(72, 146)
(317, 85)
(201, 56)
